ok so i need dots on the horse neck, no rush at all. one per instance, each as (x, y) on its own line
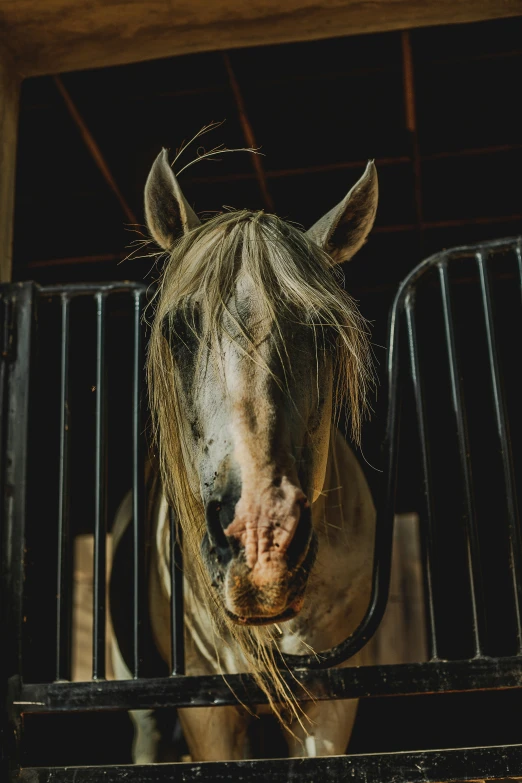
(345, 504)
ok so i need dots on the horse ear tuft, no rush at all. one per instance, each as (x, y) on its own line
(167, 212)
(345, 228)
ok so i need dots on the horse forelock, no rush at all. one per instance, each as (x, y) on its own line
(290, 278)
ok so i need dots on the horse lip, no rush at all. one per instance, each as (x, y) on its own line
(288, 614)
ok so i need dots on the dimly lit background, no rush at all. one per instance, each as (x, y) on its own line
(449, 173)
(437, 108)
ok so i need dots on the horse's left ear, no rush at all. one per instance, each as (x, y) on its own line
(343, 230)
(167, 211)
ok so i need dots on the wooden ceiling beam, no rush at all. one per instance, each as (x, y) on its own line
(53, 36)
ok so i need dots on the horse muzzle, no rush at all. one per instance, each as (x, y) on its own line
(273, 589)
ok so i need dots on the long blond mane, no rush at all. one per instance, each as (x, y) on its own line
(291, 277)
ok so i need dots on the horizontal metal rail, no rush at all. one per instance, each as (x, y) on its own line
(426, 766)
(90, 289)
(216, 690)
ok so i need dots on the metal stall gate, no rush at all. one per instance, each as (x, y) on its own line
(453, 397)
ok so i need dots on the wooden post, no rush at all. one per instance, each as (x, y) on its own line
(9, 94)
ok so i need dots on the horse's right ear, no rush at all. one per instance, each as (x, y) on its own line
(167, 212)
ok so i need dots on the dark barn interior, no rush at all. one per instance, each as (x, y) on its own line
(438, 110)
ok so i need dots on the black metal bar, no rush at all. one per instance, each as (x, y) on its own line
(177, 624)
(5, 348)
(90, 289)
(428, 523)
(17, 379)
(63, 588)
(15, 392)
(100, 513)
(349, 682)
(138, 478)
(421, 766)
(473, 553)
(502, 423)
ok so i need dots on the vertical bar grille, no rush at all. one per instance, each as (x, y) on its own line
(405, 307)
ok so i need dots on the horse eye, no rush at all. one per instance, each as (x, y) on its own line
(182, 327)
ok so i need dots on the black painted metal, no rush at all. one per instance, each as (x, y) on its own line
(497, 762)
(138, 472)
(176, 599)
(100, 519)
(18, 360)
(15, 378)
(428, 517)
(218, 691)
(63, 631)
(477, 599)
(504, 441)
(311, 677)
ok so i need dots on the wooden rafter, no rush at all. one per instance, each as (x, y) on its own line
(408, 81)
(94, 150)
(248, 133)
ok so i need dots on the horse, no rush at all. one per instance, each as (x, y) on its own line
(255, 351)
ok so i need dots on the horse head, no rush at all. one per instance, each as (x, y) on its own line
(253, 339)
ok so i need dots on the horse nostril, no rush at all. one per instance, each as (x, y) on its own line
(215, 527)
(219, 515)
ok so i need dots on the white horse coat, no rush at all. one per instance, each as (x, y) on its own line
(277, 483)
